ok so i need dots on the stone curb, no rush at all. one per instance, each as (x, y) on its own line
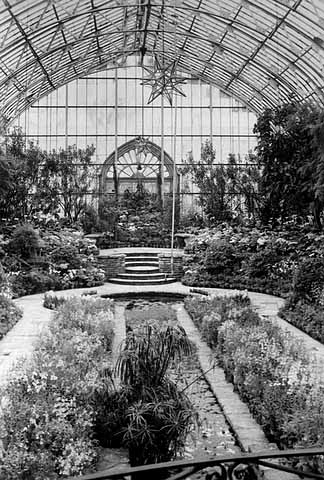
(19, 341)
(248, 432)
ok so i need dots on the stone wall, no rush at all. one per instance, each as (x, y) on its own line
(112, 264)
(165, 264)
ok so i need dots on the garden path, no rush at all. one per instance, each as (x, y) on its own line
(20, 340)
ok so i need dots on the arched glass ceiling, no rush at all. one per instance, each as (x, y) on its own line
(260, 51)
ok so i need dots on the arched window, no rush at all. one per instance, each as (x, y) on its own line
(138, 162)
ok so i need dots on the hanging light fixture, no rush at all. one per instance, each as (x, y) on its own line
(164, 80)
(162, 76)
(141, 146)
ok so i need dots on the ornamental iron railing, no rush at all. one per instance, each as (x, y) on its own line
(245, 466)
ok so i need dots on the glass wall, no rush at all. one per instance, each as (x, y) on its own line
(83, 112)
(111, 107)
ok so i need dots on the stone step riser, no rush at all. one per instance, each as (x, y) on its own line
(141, 270)
(142, 276)
(141, 254)
(121, 281)
(142, 264)
(141, 259)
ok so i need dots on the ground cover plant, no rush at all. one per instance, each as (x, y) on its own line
(50, 402)
(271, 371)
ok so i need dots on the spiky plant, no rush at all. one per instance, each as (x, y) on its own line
(148, 355)
(159, 417)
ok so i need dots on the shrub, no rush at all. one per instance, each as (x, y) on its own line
(51, 301)
(25, 241)
(222, 257)
(34, 281)
(309, 318)
(261, 263)
(5, 287)
(308, 281)
(10, 314)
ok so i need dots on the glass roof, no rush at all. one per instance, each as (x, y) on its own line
(262, 52)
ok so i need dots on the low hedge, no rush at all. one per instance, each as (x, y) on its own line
(10, 314)
(304, 307)
(308, 318)
(50, 402)
(272, 372)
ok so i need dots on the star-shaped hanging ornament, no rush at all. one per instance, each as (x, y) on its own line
(164, 80)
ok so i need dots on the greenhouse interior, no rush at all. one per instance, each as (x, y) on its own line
(161, 239)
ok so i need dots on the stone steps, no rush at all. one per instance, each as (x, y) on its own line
(143, 263)
(140, 259)
(142, 269)
(143, 276)
(147, 281)
(141, 254)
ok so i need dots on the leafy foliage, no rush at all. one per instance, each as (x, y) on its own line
(158, 416)
(20, 166)
(65, 180)
(211, 180)
(222, 187)
(10, 314)
(34, 181)
(42, 261)
(137, 219)
(290, 152)
(25, 241)
(50, 412)
(272, 372)
(245, 258)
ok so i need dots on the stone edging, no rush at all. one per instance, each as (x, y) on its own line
(33, 321)
(247, 431)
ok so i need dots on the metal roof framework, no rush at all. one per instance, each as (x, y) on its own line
(262, 52)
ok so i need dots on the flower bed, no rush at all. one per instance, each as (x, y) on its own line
(41, 261)
(253, 259)
(50, 404)
(271, 371)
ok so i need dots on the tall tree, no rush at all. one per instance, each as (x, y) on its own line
(211, 180)
(288, 156)
(66, 178)
(243, 185)
(317, 131)
(20, 167)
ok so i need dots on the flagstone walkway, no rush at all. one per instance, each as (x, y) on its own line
(20, 340)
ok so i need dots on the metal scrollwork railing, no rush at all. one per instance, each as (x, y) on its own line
(231, 467)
